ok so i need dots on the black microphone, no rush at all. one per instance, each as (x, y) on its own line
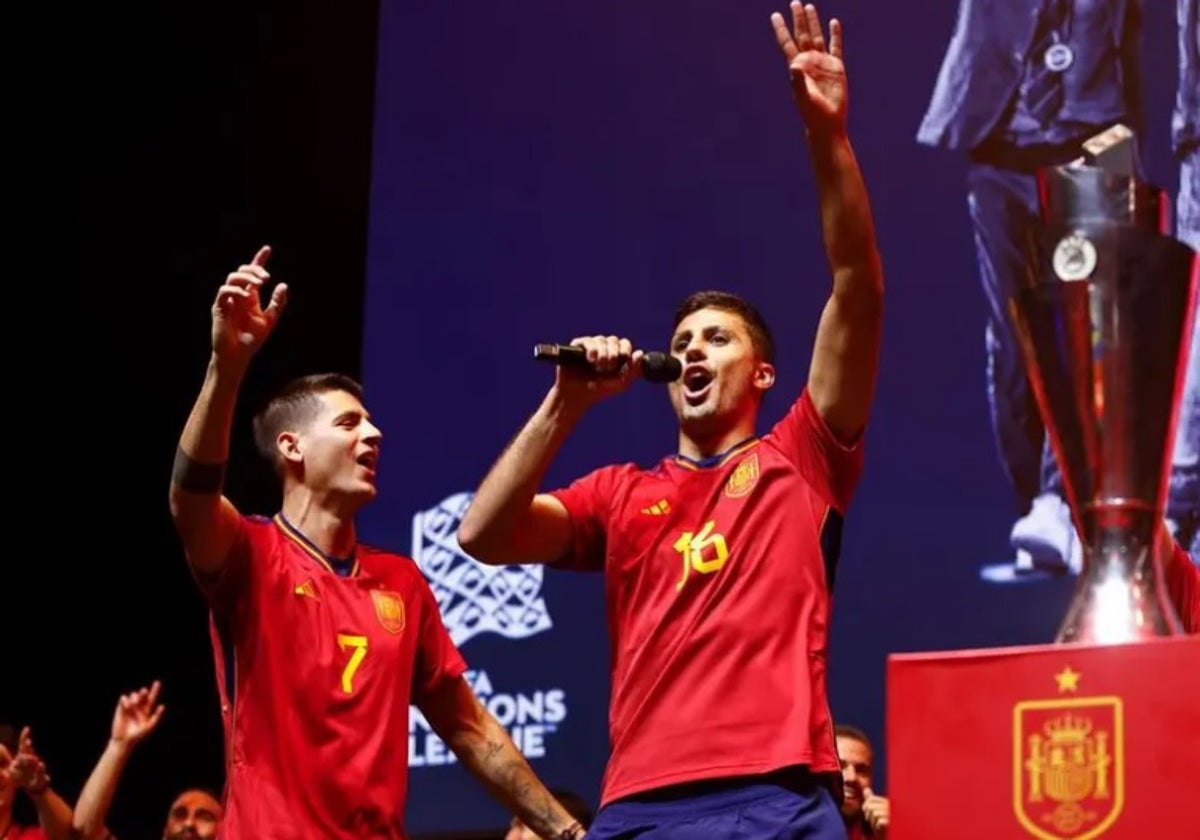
(656, 366)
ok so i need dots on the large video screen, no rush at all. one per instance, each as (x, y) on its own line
(546, 170)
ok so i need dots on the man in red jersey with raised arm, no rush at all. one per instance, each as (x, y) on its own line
(719, 561)
(321, 643)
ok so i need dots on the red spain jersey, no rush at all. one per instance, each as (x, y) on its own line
(718, 579)
(316, 673)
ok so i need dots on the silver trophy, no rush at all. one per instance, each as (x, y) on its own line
(1104, 324)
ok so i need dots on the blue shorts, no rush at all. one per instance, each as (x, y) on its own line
(795, 805)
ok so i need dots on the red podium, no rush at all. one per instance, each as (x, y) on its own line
(1057, 742)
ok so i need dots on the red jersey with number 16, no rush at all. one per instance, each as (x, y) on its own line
(718, 578)
(316, 673)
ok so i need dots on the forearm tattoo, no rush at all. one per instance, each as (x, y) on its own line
(197, 477)
(509, 771)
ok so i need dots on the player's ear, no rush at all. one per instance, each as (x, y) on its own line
(764, 376)
(289, 448)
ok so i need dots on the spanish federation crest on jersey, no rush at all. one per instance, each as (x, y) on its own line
(389, 609)
(1068, 764)
(475, 598)
(743, 478)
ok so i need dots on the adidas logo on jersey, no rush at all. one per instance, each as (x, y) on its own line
(307, 590)
(659, 508)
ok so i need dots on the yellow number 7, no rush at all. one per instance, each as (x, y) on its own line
(359, 646)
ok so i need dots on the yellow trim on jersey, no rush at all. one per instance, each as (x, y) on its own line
(315, 553)
(723, 459)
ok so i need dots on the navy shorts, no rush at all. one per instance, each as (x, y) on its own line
(782, 806)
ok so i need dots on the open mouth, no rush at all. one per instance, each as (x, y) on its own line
(368, 460)
(697, 381)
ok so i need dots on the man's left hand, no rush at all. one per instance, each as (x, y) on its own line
(817, 71)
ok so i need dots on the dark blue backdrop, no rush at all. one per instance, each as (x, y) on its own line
(546, 169)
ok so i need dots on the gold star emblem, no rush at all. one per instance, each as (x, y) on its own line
(1068, 680)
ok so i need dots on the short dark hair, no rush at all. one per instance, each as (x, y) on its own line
(295, 404)
(8, 737)
(854, 733)
(760, 333)
(574, 805)
(205, 789)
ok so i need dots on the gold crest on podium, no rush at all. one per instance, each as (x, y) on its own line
(1068, 763)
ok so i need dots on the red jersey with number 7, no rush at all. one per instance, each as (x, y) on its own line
(316, 672)
(718, 577)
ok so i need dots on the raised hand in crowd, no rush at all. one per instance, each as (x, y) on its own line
(21, 768)
(136, 716)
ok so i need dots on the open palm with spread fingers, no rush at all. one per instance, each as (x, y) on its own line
(137, 714)
(817, 71)
(240, 322)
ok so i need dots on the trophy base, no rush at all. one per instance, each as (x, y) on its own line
(1119, 598)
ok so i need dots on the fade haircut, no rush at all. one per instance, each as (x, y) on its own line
(760, 333)
(294, 406)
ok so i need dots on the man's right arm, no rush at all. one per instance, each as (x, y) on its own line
(136, 716)
(206, 521)
(508, 521)
(91, 809)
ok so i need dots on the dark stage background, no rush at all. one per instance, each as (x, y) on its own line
(504, 179)
(165, 142)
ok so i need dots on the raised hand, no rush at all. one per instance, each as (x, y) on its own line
(817, 71)
(240, 324)
(27, 770)
(615, 365)
(136, 716)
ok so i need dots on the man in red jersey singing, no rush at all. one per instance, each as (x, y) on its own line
(321, 643)
(719, 561)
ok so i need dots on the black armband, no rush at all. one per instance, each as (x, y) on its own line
(193, 476)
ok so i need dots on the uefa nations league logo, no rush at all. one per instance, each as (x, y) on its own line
(475, 598)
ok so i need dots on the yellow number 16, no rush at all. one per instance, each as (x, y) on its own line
(693, 547)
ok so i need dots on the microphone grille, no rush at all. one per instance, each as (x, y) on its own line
(661, 367)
